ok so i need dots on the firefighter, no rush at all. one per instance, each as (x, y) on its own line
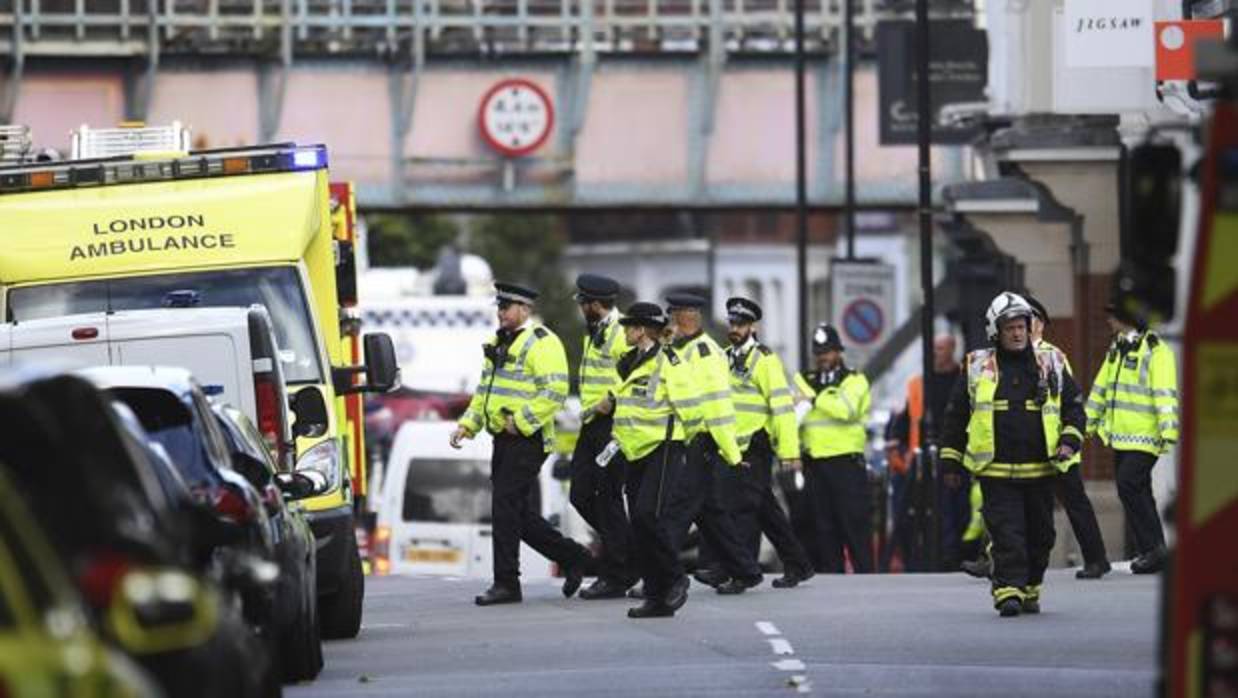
(765, 419)
(652, 409)
(523, 384)
(1015, 421)
(1133, 408)
(713, 452)
(833, 435)
(1069, 487)
(596, 492)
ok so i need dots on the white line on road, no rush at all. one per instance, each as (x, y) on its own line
(780, 646)
(767, 628)
(788, 665)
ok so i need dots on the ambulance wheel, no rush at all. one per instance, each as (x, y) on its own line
(341, 612)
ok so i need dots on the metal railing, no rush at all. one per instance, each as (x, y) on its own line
(85, 27)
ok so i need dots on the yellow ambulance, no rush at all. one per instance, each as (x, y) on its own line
(125, 225)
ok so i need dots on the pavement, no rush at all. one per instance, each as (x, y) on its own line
(874, 635)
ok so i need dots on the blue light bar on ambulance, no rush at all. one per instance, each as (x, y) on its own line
(286, 157)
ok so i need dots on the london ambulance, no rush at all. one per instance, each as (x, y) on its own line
(136, 220)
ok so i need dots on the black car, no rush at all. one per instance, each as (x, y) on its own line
(123, 542)
(296, 635)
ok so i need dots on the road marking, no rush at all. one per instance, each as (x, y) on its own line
(788, 665)
(780, 646)
(767, 628)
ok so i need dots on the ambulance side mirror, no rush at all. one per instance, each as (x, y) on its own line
(382, 371)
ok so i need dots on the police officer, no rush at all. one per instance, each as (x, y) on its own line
(1133, 407)
(523, 384)
(833, 435)
(765, 425)
(1014, 421)
(597, 492)
(1069, 486)
(713, 452)
(652, 399)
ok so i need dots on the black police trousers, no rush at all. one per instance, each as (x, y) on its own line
(757, 510)
(514, 466)
(842, 510)
(1074, 499)
(597, 494)
(1019, 517)
(656, 489)
(1134, 477)
(707, 483)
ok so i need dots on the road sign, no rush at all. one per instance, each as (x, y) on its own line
(863, 304)
(515, 117)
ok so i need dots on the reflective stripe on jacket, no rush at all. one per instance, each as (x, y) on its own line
(530, 383)
(835, 425)
(711, 383)
(650, 399)
(1133, 405)
(597, 365)
(762, 399)
(982, 381)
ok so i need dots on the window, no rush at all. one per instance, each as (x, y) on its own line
(277, 288)
(447, 491)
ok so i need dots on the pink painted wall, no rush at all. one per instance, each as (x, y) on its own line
(54, 105)
(347, 110)
(221, 108)
(445, 123)
(635, 128)
(754, 131)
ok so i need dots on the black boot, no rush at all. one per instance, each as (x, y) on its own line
(651, 609)
(1093, 570)
(711, 577)
(677, 596)
(1150, 562)
(603, 588)
(498, 594)
(791, 578)
(738, 586)
(1010, 607)
(574, 576)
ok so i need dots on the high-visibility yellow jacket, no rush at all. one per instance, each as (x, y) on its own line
(762, 398)
(711, 381)
(976, 447)
(1134, 401)
(835, 426)
(527, 379)
(602, 349)
(653, 403)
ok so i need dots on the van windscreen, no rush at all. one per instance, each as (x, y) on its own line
(447, 491)
(277, 288)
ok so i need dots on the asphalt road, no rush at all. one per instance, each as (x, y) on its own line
(881, 635)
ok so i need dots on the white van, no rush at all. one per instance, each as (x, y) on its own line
(434, 507)
(232, 352)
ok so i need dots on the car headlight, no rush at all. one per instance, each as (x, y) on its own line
(324, 459)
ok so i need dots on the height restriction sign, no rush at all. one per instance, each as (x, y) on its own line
(862, 307)
(515, 117)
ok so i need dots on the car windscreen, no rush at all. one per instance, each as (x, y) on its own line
(170, 424)
(447, 491)
(277, 288)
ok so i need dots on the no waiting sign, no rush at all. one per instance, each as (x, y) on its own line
(862, 307)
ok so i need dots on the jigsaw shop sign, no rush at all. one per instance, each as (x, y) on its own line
(117, 237)
(1109, 34)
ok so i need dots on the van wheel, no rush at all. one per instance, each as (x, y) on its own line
(341, 611)
(302, 645)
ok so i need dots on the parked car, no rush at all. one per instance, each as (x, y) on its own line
(226, 464)
(47, 646)
(296, 633)
(125, 546)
